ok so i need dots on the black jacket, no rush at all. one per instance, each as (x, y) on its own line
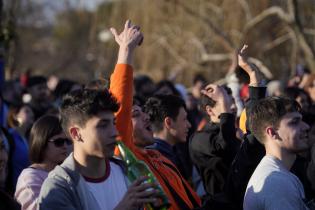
(248, 156)
(212, 150)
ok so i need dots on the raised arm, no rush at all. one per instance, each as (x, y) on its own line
(251, 151)
(128, 40)
(256, 88)
(121, 81)
(226, 140)
(252, 70)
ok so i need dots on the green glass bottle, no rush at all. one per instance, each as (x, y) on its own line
(136, 169)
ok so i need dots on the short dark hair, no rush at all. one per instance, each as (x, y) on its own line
(36, 80)
(199, 77)
(140, 80)
(294, 93)
(80, 105)
(43, 129)
(269, 112)
(138, 100)
(159, 107)
(166, 83)
(63, 87)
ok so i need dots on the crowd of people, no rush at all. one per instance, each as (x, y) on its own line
(246, 144)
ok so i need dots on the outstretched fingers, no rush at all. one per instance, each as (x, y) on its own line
(242, 55)
(114, 32)
(242, 51)
(127, 24)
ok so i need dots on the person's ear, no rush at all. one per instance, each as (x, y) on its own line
(168, 122)
(272, 133)
(75, 133)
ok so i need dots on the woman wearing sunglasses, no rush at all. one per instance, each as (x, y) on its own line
(49, 146)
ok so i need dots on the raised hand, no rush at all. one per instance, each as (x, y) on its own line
(242, 60)
(250, 68)
(138, 194)
(130, 36)
(128, 40)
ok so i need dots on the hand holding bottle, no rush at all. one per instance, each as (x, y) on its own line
(139, 193)
(137, 168)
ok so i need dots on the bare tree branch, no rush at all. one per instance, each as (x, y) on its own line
(196, 42)
(162, 41)
(309, 31)
(291, 18)
(215, 57)
(216, 9)
(246, 9)
(271, 11)
(205, 56)
(220, 36)
(276, 42)
(298, 29)
(294, 50)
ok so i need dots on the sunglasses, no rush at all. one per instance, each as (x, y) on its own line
(59, 142)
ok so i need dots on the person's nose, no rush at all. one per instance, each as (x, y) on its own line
(145, 116)
(188, 124)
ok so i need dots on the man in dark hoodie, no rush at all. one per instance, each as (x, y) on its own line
(213, 148)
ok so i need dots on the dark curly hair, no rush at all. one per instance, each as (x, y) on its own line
(159, 107)
(80, 105)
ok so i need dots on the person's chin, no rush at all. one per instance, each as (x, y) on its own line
(148, 134)
(184, 138)
(149, 140)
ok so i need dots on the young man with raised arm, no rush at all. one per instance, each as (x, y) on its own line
(135, 129)
(213, 148)
(90, 179)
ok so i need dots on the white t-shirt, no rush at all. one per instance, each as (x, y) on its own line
(272, 186)
(109, 190)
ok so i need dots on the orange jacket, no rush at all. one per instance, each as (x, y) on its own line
(121, 86)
